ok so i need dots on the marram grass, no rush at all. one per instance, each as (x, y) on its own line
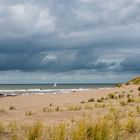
(109, 127)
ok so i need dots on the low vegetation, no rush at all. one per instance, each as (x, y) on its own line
(99, 100)
(129, 100)
(82, 102)
(138, 109)
(128, 95)
(100, 105)
(91, 100)
(89, 106)
(123, 103)
(74, 107)
(135, 81)
(12, 108)
(29, 113)
(118, 85)
(102, 98)
(112, 117)
(111, 96)
(107, 127)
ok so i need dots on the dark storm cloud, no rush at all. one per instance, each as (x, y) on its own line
(131, 64)
(62, 36)
(52, 62)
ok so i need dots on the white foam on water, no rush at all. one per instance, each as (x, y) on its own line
(38, 91)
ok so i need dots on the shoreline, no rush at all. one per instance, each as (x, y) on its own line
(26, 92)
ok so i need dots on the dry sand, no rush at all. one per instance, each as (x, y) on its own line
(36, 103)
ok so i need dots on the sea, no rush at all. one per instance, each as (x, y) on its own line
(27, 89)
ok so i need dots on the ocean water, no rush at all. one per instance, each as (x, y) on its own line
(25, 89)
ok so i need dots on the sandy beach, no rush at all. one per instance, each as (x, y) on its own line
(101, 113)
(31, 108)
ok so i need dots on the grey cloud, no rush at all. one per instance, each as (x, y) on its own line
(131, 64)
(62, 36)
(63, 61)
(20, 61)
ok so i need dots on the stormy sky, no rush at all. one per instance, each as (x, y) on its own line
(43, 41)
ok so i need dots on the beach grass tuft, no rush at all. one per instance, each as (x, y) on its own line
(91, 100)
(111, 96)
(129, 100)
(74, 107)
(130, 125)
(123, 103)
(88, 106)
(57, 132)
(100, 105)
(34, 131)
(138, 109)
(82, 102)
(12, 108)
(48, 109)
(99, 100)
(107, 127)
(29, 113)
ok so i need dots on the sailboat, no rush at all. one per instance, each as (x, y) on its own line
(55, 85)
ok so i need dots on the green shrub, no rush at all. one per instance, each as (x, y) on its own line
(118, 85)
(128, 95)
(58, 109)
(82, 102)
(127, 83)
(48, 109)
(102, 98)
(120, 96)
(99, 100)
(91, 100)
(111, 95)
(129, 100)
(12, 108)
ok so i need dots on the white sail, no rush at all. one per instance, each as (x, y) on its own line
(55, 85)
